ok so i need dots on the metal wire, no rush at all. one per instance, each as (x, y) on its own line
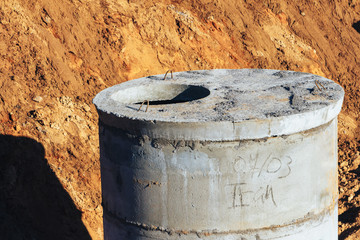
(147, 106)
(171, 71)
(317, 83)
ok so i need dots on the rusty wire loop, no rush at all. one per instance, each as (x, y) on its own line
(171, 71)
(147, 106)
(317, 83)
(147, 101)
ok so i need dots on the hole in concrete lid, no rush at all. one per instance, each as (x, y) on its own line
(158, 94)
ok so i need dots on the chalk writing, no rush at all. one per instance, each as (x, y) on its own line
(244, 195)
(259, 174)
(258, 166)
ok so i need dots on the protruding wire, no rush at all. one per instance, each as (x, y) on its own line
(171, 71)
(317, 83)
(147, 106)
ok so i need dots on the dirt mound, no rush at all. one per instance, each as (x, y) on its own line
(56, 55)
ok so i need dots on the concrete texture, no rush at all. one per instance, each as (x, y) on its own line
(221, 170)
(244, 104)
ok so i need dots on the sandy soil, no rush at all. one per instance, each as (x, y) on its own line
(56, 55)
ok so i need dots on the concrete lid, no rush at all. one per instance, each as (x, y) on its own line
(222, 104)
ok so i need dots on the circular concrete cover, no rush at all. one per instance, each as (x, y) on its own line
(221, 104)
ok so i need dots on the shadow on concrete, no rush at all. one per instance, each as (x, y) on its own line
(356, 26)
(33, 203)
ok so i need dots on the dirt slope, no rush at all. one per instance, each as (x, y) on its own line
(56, 55)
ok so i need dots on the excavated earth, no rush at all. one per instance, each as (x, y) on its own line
(56, 55)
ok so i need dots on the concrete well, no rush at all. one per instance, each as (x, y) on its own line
(220, 154)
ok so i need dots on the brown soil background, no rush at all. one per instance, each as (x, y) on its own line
(55, 55)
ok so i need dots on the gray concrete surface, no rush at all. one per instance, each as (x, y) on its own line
(220, 154)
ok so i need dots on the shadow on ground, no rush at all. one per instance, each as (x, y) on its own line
(356, 26)
(33, 203)
(348, 232)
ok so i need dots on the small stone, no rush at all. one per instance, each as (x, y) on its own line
(54, 125)
(302, 13)
(351, 197)
(37, 99)
(86, 107)
(98, 209)
(17, 127)
(66, 101)
(11, 117)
